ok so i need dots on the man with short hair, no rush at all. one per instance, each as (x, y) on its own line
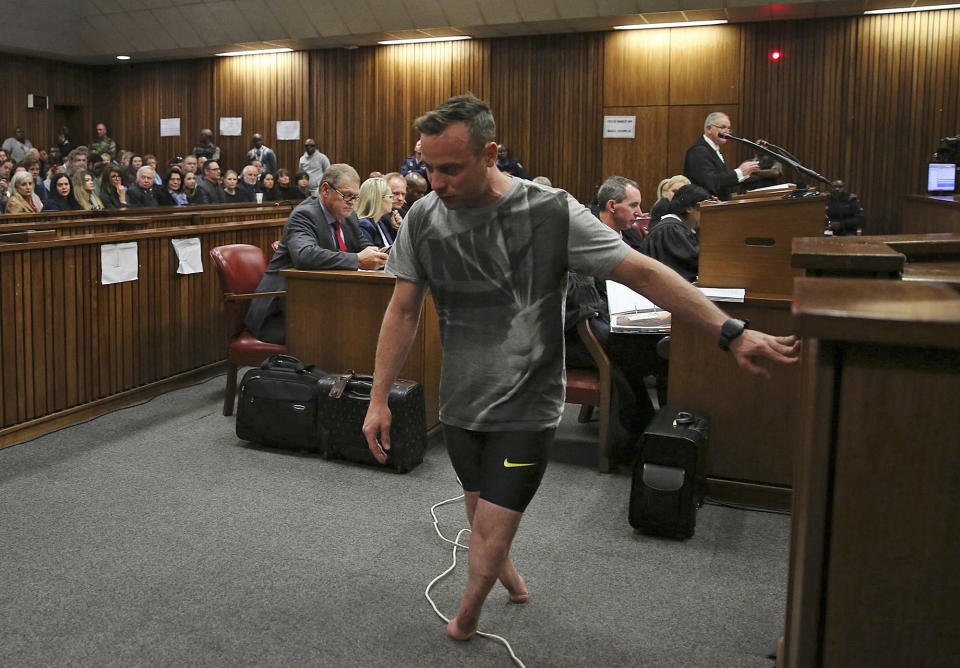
(102, 143)
(413, 164)
(142, 193)
(189, 164)
(322, 232)
(494, 252)
(398, 197)
(17, 145)
(314, 163)
(705, 166)
(509, 165)
(76, 160)
(209, 188)
(266, 156)
(417, 187)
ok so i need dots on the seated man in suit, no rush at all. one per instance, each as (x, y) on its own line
(142, 193)
(675, 241)
(704, 164)
(321, 233)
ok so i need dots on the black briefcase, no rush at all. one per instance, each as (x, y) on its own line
(668, 483)
(343, 406)
(279, 404)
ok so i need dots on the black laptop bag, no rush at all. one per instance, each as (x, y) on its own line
(668, 474)
(343, 405)
(279, 405)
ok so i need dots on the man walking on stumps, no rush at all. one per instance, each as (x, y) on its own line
(494, 252)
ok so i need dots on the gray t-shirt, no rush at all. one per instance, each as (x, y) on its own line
(498, 278)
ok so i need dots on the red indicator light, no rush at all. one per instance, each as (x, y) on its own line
(775, 55)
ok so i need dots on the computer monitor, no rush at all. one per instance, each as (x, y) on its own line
(941, 177)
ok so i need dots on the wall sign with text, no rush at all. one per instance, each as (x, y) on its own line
(620, 127)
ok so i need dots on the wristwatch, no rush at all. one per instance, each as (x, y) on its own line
(730, 330)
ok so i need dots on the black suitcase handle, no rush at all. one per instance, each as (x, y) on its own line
(281, 361)
(354, 385)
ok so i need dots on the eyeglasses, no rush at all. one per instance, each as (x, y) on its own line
(725, 128)
(349, 199)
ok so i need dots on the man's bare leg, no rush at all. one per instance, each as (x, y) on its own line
(509, 578)
(492, 531)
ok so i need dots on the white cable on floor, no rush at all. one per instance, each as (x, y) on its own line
(456, 544)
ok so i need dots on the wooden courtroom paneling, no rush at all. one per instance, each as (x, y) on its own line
(864, 99)
(644, 158)
(70, 340)
(546, 97)
(705, 65)
(629, 52)
(65, 84)
(262, 90)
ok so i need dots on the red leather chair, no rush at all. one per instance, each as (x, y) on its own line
(241, 266)
(591, 388)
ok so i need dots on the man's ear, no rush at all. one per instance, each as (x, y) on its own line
(610, 206)
(490, 153)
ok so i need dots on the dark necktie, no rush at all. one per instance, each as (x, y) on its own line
(336, 233)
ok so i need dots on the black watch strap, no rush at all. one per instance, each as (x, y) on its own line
(730, 330)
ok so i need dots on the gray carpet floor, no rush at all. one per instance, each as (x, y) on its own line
(152, 536)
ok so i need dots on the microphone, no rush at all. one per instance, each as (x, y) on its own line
(800, 169)
(764, 142)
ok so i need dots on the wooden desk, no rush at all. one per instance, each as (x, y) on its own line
(333, 321)
(930, 213)
(746, 243)
(913, 257)
(873, 577)
(754, 423)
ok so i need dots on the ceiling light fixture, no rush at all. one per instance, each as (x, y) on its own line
(678, 24)
(256, 52)
(900, 10)
(422, 40)
(123, 57)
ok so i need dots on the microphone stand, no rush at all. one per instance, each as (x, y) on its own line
(797, 167)
(801, 182)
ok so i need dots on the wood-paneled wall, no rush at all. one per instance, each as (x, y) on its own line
(865, 99)
(64, 84)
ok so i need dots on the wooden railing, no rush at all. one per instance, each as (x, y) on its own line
(71, 223)
(69, 341)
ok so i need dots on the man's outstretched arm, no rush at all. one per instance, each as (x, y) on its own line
(396, 335)
(669, 291)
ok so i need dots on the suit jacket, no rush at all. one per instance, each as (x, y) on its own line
(704, 168)
(137, 196)
(210, 193)
(307, 243)
(371, 230)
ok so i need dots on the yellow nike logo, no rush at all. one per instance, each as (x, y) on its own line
(507, 463)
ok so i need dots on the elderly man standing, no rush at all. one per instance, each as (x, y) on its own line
(705, 166)
(322, 232)
(102, 143)
(494, 252)
(314, 163)
(142, 192)
(17, 145)
(266, 156)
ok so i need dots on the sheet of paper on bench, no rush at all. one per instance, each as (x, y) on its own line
(621, 299)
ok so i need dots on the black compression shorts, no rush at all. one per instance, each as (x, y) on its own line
(505, 467)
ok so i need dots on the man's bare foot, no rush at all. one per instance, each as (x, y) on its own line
(457, 632)
(516, 587)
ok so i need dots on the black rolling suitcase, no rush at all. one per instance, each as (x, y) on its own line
(279, 404)
(668, 483)
(343, 405)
